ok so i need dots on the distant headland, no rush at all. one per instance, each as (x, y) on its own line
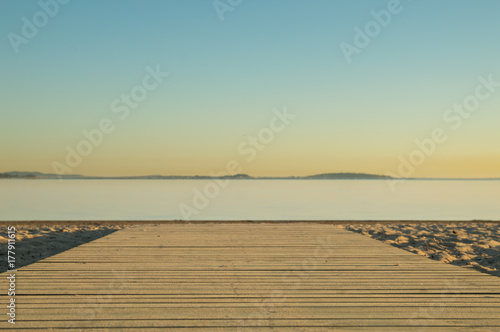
(325, 176)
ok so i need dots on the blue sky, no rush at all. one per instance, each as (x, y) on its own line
(226, 77)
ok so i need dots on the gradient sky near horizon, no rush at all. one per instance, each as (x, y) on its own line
(226, 77)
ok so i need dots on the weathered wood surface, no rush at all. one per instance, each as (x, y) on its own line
(249, 277)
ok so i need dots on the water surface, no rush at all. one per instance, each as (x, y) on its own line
(248, 200)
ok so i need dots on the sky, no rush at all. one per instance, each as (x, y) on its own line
(295, 87)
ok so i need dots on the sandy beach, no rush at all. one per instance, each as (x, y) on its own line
(39, 241)
(471, 245)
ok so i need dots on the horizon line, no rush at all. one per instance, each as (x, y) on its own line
(243, 176)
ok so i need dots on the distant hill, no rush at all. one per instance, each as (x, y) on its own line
(328, 176)
(36, 175)
(325, 176)
(347, 176)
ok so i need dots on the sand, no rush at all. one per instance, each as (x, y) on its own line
(470, 245)
(38, 241)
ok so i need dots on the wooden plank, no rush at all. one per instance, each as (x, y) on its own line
(279, 324)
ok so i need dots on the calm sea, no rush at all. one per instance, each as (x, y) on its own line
(248, 200)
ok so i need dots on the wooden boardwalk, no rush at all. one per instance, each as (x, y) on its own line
(230, 277)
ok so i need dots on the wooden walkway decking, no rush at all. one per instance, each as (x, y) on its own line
(291, 277)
